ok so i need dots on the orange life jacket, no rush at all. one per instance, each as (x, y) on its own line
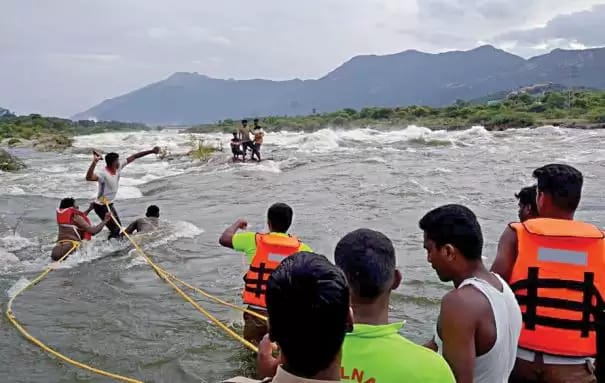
(65, 219)
(271, 249)
(559, 282)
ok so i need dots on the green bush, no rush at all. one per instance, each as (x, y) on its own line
(200, 150)
(13, 142)
(597, 116)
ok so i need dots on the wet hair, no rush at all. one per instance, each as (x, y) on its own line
(367, 258)
(110, 158)
(527, 196)
(455, 225)
(153, 211)
(66, 203)
(562, 183)
(235, 134)
(308, 306)
(244, 121)
(280, 217)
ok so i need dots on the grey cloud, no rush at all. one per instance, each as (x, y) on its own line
(72, 54)
(584, 27)
(481, 11)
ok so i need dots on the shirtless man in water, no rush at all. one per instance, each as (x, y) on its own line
(74, 226)
(150, 222)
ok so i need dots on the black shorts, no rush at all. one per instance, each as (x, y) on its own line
(114, 229)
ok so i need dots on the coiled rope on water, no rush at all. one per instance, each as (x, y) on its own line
(13, 319)
(163, 274)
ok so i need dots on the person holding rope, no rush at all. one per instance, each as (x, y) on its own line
(265, 252)
(109, 181)
(74, 227)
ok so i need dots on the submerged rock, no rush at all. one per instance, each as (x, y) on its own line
(10, 163)
(54, 142)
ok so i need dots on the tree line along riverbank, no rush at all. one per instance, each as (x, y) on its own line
(574, 109)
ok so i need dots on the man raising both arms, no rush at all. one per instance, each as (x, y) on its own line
(265, 252)
(109, 181)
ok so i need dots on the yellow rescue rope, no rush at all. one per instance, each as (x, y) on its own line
(11, 317)
(214, 298)
(166, 277)
(163, 274)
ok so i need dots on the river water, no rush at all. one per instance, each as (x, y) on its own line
(106, 307)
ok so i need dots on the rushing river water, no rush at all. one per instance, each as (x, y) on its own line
(106, 307)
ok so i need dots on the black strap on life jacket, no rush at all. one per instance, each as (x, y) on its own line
(258, 285)
(591, 305)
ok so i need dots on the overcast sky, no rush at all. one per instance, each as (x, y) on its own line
(60, 57)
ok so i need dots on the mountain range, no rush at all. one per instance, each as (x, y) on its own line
(400, 79)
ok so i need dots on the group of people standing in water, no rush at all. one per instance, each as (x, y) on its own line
(532, 318)
(243, 141)
(74, 224)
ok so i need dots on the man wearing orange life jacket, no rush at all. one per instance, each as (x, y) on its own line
(74, 226)
(265, 252)
(556, 267)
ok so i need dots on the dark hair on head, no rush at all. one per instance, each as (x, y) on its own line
(153, 211)
(66, 203)
(527, 196)
(367, 258)
(562, 183)
(280, 216)
(455, 225)
(234, 134)
(256, 120)
(308, 306)
(110, 158)
(244, 121)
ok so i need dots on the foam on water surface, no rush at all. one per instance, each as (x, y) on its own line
(18, 286)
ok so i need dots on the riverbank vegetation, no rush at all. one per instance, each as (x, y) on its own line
(51, 133)
(581, 108)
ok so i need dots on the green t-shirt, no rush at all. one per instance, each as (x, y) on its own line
(379, 354)
(246, 243)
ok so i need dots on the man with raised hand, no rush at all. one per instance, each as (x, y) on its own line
(265, 251)
(109, 182)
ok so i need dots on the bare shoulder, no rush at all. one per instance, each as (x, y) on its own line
(509, 236)
(465, 302)
(79, 221)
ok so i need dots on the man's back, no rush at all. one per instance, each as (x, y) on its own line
(380, 353)
(147, 224)
(244, 132)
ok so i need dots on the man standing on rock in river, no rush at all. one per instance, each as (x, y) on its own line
(109, 181)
